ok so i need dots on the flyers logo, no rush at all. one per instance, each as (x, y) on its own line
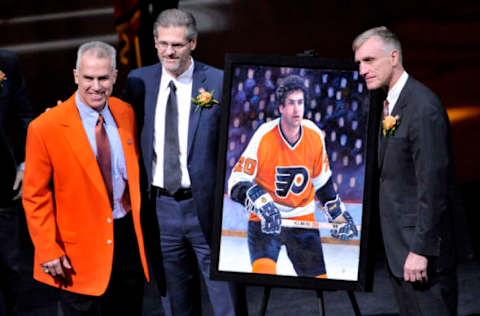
(292, 179)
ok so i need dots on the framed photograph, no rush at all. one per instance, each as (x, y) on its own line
(294, 177)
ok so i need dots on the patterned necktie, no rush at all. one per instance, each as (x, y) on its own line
(385, 108)
(103, 156)
(381, 138)
(172, 176)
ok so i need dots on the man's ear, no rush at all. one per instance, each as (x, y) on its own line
(193, 43)
(395, 57)
(75, 75)
(114, 75)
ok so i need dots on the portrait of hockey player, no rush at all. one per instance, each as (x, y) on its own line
(294, 172)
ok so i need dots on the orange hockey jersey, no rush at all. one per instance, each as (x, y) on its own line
(289, 173)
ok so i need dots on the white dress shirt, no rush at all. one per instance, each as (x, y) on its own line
(183, 83)
(394, 93)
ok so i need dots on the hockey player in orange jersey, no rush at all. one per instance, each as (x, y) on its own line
(283, 168)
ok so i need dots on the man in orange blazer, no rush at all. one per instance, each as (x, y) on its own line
(81, 185)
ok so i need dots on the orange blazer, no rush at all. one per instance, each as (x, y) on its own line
(65, 200)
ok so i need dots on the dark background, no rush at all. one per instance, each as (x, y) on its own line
(441, 47)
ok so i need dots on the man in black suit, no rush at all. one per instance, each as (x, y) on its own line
(179, 147)
(15, 114)
(416, 180)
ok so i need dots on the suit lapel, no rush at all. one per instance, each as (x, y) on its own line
(147, 133)
(76, 137)
(397, 110)
(381, 146)
(128, 146)
(199, 81)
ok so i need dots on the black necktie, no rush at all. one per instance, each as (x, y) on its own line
(103, 156)
(172, 175)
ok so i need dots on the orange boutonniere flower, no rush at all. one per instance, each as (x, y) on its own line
(204, 99)
(3, 77)
(390, 125)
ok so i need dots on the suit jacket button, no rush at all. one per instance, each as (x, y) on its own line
(109, 242)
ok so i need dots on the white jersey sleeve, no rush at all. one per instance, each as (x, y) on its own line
(322, 171)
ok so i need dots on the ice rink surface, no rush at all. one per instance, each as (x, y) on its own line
(341, 260)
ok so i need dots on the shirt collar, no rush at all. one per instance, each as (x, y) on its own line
(184, 79)
(87, 112)
(394, 93)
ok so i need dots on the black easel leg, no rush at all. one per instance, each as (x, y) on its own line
(266, 296)
(321, 302)
(353, 300)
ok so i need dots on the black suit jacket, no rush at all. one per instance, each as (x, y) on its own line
(142, 93)
(417, 182)
(15, 114)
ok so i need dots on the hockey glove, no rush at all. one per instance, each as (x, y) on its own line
(261, 203)
(343, 228)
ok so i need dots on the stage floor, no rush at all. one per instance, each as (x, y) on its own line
(40, 300)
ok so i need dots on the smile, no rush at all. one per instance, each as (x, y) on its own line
(97, 95)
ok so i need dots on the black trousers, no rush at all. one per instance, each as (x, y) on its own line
(10, 257)
(124, 294)
(437, 297)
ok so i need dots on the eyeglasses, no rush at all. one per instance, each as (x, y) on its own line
(175, 46)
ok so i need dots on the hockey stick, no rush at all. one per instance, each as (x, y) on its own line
(308, 224)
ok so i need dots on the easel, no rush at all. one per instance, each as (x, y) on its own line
(321, 302)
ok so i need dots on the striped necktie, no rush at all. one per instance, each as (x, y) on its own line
(103, 156)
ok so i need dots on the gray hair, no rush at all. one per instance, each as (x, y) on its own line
(176, 18)
(99, 50)
(389, 39)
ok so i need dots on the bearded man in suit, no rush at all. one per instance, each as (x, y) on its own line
(179, 146)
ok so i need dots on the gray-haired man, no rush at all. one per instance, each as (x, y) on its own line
(417, 179)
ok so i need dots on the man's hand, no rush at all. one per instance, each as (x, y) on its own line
(56, 267)
(261, 203)
(345, 230)
(343, 226)
(48, 109)
(415, 268)
(18, 184)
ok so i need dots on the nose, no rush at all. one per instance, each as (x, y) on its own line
(297, 107)
(362, 69)
(96, 84)
(169, 50)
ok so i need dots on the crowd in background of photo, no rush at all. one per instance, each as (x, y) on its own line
(337, 102)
